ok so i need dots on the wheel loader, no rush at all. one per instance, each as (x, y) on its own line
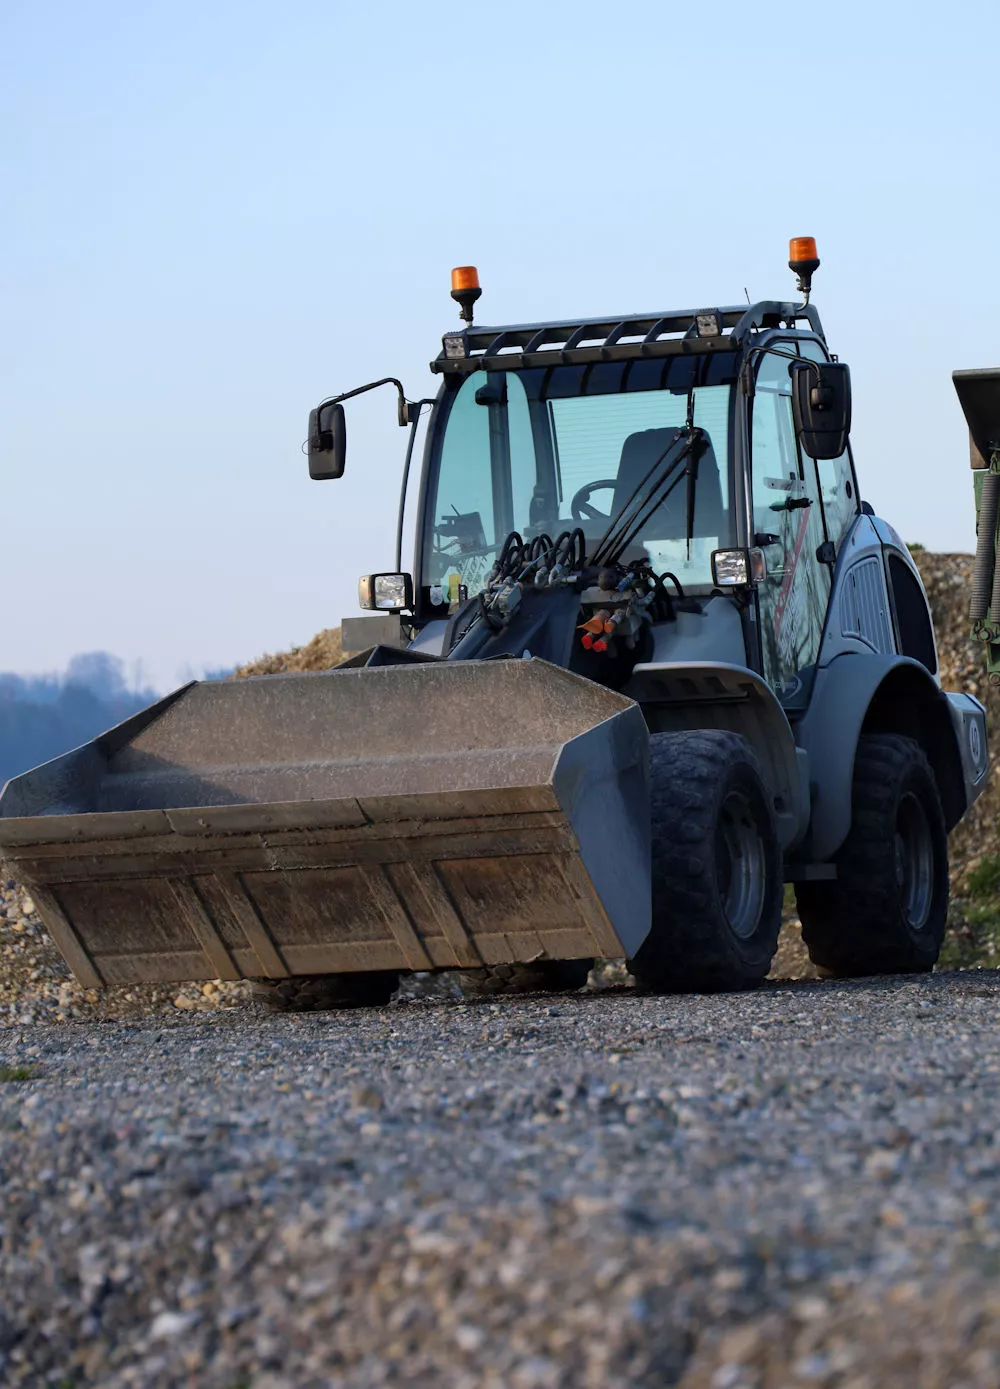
(654, 659)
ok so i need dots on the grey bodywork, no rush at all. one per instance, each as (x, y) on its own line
(885, 689)
(863, 682)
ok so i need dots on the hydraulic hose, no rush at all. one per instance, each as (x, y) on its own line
(983, 576)
(511, 557)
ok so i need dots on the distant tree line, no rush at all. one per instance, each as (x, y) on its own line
(42, 716)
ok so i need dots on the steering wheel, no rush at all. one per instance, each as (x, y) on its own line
(580, 508)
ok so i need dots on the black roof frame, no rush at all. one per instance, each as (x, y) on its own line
(524, 345)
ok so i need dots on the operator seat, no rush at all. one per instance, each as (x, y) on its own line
(640, 452)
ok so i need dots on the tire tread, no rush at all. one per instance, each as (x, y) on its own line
(689, 946)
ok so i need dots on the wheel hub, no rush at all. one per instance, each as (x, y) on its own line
(914, 861)
(742, 869)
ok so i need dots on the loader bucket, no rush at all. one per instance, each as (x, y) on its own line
(417, 817)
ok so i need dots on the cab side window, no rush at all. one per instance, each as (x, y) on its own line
(788, 527)
(463, 541)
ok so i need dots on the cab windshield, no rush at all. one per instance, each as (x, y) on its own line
(542, 451)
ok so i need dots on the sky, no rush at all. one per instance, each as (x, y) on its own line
(215, 213)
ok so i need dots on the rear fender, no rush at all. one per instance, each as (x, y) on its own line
(677, 697)
(885, 694)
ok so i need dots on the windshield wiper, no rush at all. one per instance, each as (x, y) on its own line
(692, 476)
(651, 492)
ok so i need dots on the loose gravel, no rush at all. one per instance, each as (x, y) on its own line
(36, 984)
(799, 1186)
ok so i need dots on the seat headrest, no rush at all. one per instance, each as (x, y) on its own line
(641, 452)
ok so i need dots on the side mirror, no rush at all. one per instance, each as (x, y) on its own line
(327, 442)
(821, 405)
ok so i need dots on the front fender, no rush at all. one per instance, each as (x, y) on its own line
(677, 696)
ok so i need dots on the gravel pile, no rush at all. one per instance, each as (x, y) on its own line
(795, 1187)
(320, 653)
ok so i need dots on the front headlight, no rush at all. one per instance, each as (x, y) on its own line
(385, 592)
(738, 568)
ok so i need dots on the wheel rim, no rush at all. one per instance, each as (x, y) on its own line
(914, 851)
(741, 866)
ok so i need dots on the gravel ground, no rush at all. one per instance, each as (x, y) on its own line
(799, 1186)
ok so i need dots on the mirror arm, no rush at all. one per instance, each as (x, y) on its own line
(749, 381)
(403, 406)
(413, 412)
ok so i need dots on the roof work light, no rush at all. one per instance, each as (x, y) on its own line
(465, 289)
(802, 258)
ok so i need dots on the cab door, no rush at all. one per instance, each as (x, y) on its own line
(788, 526)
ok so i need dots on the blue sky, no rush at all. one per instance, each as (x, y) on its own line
(216, 213)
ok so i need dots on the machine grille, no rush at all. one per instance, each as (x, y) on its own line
(864, 607)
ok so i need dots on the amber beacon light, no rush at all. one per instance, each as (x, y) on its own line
(802, 258)
(465, 289)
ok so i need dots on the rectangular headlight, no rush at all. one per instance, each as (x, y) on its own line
(708, 324)
(730, 568)
(385, 592)
(454, 346)
(738, 568)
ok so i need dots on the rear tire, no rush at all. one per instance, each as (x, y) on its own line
(887, 910)
(311, 993)
(716, 870)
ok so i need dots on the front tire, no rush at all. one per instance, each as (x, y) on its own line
(541, 976)
(313, 993)
(716, 869)
(887, 910)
